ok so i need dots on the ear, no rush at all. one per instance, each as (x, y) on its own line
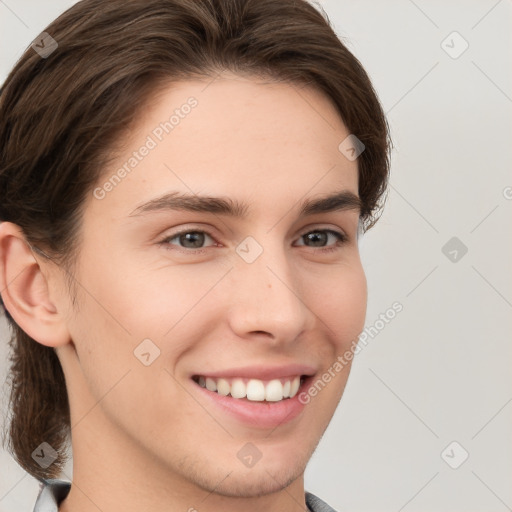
(25, 292)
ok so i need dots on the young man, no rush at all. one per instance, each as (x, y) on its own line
(191, 258)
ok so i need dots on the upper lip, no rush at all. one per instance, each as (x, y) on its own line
(261, 372)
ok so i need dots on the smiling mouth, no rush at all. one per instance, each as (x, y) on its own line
(255, 390)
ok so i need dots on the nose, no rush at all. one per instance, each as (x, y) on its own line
(268, 299)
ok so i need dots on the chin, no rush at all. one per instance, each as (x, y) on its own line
(269, 475)
(256, 482)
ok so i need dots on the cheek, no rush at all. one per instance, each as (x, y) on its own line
(343, 309)
(123, 309)
(129, 304)
(342, 305)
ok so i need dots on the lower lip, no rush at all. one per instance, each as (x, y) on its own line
(258, 414)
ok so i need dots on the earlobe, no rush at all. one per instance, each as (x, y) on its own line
(25, 290)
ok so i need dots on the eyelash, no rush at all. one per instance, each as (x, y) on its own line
(342, 239)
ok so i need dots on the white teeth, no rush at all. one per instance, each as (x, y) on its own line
(294, 387)
(211, 385)
(238, 389)
(274, 391)
(255, 389)
(223, 387)
(286, 389)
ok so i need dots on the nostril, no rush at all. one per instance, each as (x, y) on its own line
(262, 332)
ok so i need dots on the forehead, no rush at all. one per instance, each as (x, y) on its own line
(231, 136)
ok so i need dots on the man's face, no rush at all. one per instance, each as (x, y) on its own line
(246, 304)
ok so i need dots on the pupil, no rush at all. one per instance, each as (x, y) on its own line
(314, 237)
(195, 237)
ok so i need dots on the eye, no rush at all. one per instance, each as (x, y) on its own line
(188, 239)
(194, 240)
(320, 237)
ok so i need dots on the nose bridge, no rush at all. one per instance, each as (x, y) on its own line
(266, 292)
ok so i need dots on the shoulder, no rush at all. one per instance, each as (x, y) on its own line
(316, 504)
(51, 493)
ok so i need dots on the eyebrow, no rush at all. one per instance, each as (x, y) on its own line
(339, 201)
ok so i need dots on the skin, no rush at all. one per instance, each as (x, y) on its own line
(270, 145)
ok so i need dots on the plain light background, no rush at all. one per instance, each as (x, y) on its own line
(439, 372)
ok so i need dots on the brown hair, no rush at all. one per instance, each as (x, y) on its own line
(62, 114)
